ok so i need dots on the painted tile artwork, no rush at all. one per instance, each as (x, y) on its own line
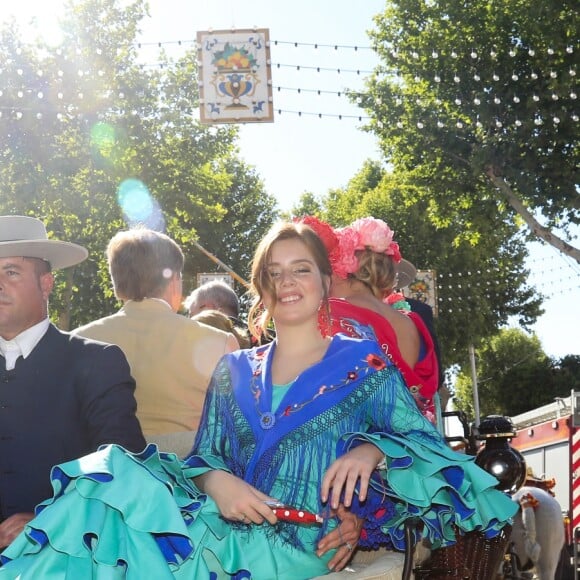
(424, 288)
(235, 76)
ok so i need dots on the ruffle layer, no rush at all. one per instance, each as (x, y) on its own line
(116, 517)
(102, 519)
(441, 489)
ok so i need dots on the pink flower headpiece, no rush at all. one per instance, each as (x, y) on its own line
(365, 233)
(341, 244)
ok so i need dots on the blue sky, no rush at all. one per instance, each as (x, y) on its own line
(306, 153)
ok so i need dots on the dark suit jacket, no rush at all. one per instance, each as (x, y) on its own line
(426, 313)
(68, 397)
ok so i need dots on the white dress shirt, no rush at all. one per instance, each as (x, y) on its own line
(22, 344)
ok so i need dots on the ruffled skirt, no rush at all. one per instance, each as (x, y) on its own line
(121, 515)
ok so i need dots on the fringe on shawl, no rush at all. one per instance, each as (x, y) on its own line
(306, 452)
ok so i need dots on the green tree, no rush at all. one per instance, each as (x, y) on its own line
(93, 141)
(514, 375)
(248, 213)
(479, 99)
(308, 204)
(568, 373)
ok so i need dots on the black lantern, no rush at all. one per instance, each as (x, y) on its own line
(497, 457)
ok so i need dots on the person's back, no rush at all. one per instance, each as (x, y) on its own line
(171, 357)
(399, 326)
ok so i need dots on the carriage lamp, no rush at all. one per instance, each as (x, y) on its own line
(497, 457)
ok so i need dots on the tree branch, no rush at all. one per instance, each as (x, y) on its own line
(536, 228)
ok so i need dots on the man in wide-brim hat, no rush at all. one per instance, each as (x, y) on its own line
(61, 396)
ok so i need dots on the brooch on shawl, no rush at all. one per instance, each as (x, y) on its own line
(268, 418)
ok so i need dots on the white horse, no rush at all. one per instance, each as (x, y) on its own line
(538, 531)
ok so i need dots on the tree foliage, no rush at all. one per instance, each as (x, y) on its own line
(514, 375)
(93, 141)
(479, 99)
(308, 204)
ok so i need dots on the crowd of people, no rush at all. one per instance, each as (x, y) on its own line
(153, 444)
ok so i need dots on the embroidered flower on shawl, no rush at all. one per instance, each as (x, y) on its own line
(376, 362)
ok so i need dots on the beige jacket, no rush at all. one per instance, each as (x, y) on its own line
(171, 356)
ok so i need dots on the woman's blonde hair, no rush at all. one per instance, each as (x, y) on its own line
(221, 321)
(377, 271)
(261, 282)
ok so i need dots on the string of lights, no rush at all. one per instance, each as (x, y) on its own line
(319, 69)
(316, 45)
(297, 67)
(338, 116)
(546, 266)
(566, 99)
(474, 54)
(295, 44)
(18, 113)
(300, 90)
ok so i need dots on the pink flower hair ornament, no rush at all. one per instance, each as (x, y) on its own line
(343, 243)
(364, 234)
(377, 236)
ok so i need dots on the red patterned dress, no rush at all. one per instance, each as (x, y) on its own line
(358, 322)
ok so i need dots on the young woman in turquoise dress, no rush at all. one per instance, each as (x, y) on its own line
(324, 425)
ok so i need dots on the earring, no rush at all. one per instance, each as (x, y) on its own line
(324, 325)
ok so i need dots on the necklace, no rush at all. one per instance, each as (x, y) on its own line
(268, 419)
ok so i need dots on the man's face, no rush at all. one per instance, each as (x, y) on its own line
(23, 295)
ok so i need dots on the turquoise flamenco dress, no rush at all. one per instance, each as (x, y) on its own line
(115, 514)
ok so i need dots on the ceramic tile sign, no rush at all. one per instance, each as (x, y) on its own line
(234, 76)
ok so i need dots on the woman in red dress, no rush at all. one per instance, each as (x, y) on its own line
(364, 259)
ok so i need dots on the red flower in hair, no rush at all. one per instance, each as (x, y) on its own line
(325, 232)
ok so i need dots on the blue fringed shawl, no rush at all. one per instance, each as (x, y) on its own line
(289, 459)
